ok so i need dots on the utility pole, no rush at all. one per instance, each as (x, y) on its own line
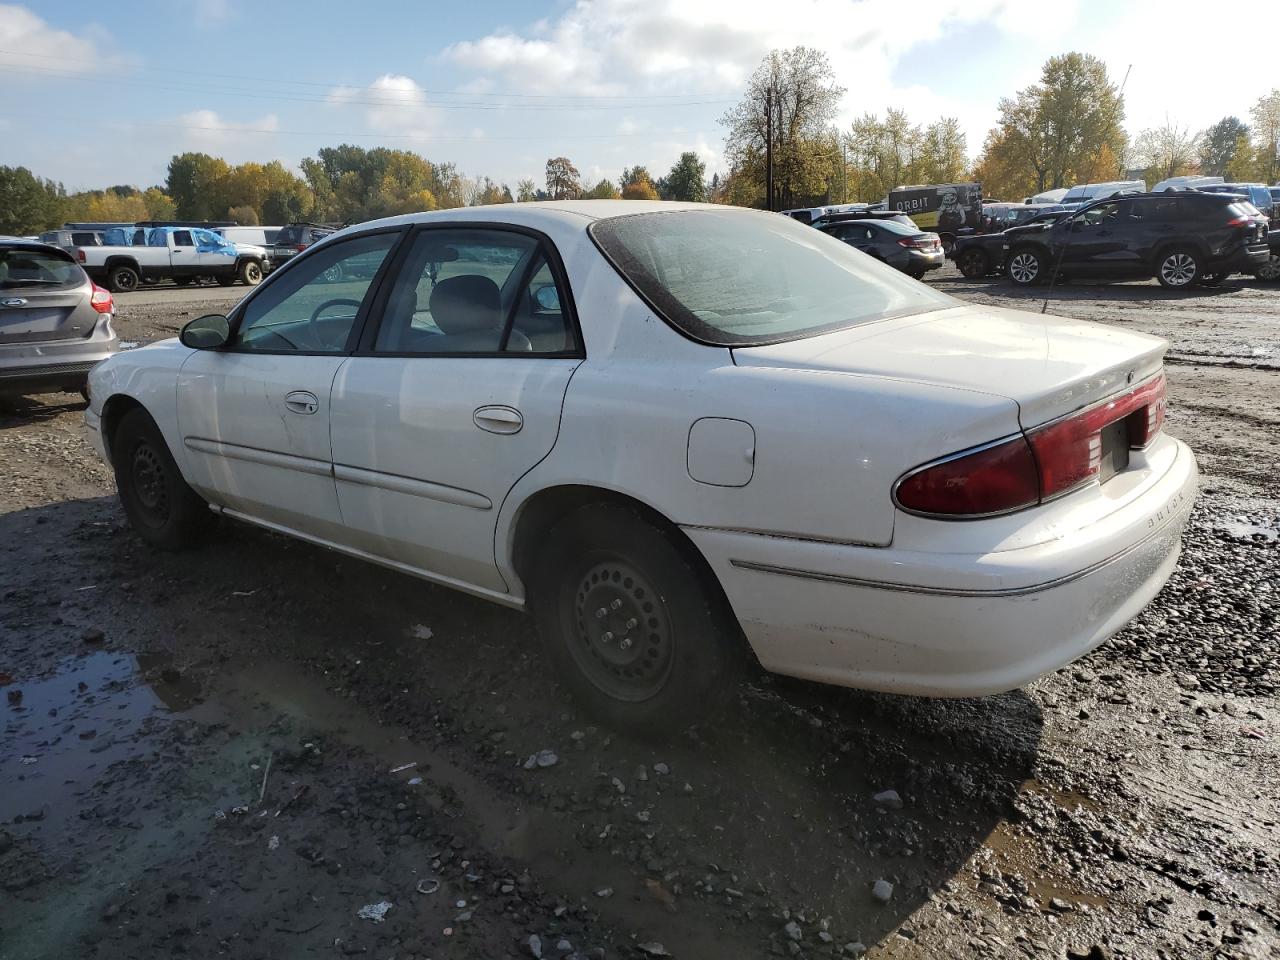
(768, 148)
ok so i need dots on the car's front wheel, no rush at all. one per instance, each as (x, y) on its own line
(973, 263)
(160, 506)
(1025, 267)
(636, 628)
(1271, 269)
(1178, 268)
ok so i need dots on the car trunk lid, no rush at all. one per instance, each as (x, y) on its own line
(1049, 366)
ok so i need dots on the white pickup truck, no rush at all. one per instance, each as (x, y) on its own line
(182, 254)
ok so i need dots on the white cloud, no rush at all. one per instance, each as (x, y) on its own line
(32, 46)
(206, 130)
(392, 104)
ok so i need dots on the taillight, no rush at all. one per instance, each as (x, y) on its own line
(80, 255)
(101, 300)
(1044, 463)
(995, 479)
(1240, 222)
(918, 243)
(299, 247)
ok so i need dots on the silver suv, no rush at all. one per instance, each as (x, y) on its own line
(55, 323)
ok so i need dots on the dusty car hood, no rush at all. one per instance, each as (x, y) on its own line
(1047, 365)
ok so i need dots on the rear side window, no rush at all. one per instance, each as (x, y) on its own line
(37, 268)
(736, 278)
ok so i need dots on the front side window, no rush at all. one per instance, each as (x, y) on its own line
(736, 278)
(474, 291)
(182, 238)
(312, 307)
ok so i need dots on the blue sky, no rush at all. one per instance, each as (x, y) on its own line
(106, 93)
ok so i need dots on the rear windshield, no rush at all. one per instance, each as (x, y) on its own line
(289, 235)
(736, 277)
(37, 268)
(898, 227)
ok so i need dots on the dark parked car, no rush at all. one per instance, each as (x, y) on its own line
(293, 238)
(55, 323)
(893, 215)
(980, 254)
(909, 250)
(1180, 239)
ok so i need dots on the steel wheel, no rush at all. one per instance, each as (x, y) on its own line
(150, 484)
(1024, 268)
(623, 639)
(1178, 269)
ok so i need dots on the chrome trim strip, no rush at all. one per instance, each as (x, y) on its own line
(948, 591)
(411, 487)
(268, 458)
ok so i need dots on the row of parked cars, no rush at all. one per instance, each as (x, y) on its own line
(1191, 231)
(123, 257)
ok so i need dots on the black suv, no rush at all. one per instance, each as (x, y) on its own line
(296, 237)
(979, 254)
(1180, 239)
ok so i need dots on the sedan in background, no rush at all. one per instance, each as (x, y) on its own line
(904, 248)
(680, 435)
(55, 323)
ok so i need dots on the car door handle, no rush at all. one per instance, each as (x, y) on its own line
(498, 419)
(302, 401)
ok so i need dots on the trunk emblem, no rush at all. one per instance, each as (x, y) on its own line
(13, 302)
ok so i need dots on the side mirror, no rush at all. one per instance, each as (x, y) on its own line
(547, 298)
(209, 332)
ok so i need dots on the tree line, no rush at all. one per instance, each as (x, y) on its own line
(343, 184)
(1067, 128)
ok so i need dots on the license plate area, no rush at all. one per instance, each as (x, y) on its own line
(1115, 449)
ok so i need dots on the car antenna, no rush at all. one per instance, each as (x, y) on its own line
(1053, 281)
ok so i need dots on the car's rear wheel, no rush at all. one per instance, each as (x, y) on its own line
(183, 281)
(1271, 269)
(1178, 268)
(225, 280)
(636, 628)
(122, 279)
(973, 263)
(1025, 267)
(251, 273)
(160, 506)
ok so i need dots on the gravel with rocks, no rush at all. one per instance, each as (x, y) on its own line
(1126, 806)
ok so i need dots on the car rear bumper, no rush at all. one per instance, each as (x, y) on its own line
(46, 378)
(952, 624)
(919, 260)
(1242, 260)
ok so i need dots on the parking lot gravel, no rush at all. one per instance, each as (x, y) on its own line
(262, 749)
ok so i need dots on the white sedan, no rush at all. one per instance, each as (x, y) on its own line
(679, 434)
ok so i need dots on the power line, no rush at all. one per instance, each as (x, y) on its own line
(329, 135)
(168, 79)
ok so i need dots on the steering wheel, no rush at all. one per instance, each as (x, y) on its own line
(335, 302)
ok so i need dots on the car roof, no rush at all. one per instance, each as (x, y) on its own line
(542, 213)
(34, 245)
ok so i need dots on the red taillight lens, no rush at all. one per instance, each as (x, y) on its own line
(1070, 451)
(1039, 466)
(994, 480)
(80, 255)
(299, 247)
(918, 243)
(1240, 222)
(101, 300)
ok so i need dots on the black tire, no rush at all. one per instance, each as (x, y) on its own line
(948, 245)
(1178, 268)
(160, 506)
(636, 628)
(250, 273)
(973, 263)
(1026, 266)
(123, 279)
(225, 281)
(183, 281)
(1270, 270)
